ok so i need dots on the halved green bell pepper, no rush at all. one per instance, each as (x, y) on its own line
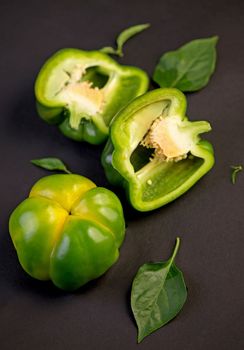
(68, 230)
(154, 151)
(81, 91)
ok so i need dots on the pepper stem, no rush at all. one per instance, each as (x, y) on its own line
(198, 127)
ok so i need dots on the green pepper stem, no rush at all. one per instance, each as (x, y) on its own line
(198, 127)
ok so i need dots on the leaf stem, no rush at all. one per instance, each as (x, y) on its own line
(176, 248)
(235, 170)
(67, 171)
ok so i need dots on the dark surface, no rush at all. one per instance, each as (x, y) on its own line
(209, 218)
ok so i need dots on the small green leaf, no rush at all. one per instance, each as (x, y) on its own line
(158, 294)
(51, 164)
(235, 170)
(190, 67)
(124, 36)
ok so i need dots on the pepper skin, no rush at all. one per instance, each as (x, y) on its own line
(154, 151)
(81, 91)
(68, 230)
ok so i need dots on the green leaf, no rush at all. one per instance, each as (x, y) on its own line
(124, 36)
(51, 164)
(235, 170)
(158, 294)
(190, 67)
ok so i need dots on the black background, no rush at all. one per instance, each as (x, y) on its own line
(208, 218)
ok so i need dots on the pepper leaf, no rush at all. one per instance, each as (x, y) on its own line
(124, 36)
(190, 67)
(158, 294)
(51, 164)
(235, 170)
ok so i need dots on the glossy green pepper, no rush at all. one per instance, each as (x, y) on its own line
(81, 91)
(68, 230)
(154, 151)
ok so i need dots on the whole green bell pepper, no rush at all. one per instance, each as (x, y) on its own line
(154, 151)
(68, 230)
(81, 91)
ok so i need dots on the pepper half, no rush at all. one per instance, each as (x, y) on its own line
(154, 151)
(81, 91)
(68, 230)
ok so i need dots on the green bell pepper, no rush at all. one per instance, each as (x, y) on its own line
(81, 91)
(68, 230)
(154, 151)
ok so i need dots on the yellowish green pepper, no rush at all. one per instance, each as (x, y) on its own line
(154, 151)
(68, 230)
(81, 91)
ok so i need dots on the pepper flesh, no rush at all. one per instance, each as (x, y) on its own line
(81, 91)
(154, 151)
(68, 230)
